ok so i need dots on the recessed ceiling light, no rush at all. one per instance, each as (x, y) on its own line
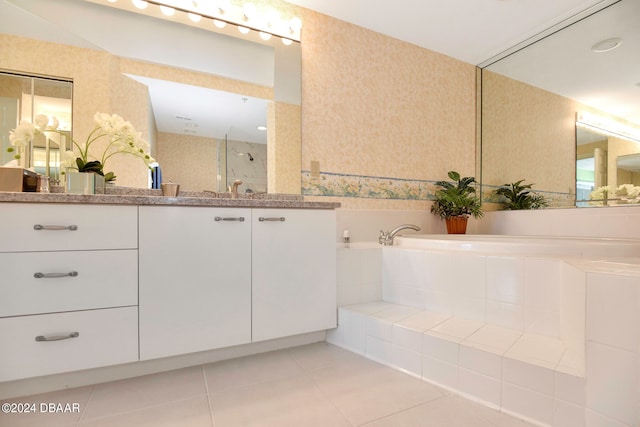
(262, 128)
(606, 45)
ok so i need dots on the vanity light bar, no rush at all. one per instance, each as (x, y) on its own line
(608, 126)
(243, 18)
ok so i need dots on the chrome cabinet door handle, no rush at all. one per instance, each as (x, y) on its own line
(39, 227)
(42, 338)
(280, 218)
(218, 218)
(55, 275)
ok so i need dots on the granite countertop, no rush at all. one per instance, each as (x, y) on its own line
(134, 196)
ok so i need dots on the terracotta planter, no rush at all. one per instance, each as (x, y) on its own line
(456, 224)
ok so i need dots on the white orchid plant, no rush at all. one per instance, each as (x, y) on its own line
(627, 192)
(122, 139)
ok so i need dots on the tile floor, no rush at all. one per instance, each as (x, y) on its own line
(312, 385)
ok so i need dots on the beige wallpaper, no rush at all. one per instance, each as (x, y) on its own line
(283, 150)
(527, 133)
(130, 99)
(375, 106)
(175, 151)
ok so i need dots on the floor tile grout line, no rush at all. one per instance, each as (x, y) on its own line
(145, 408)
(209, 398)
(253, 384)
(84, 410)
(404, 410)
(328, 399)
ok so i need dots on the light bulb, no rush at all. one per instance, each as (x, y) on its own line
(265, 36)
(249, 11)
(295, 24)
(218, 23)
(286, 42)
(140, 4)
(243, 30)
(194, 17)
(272, 17)
(223, 6)
(166, 10)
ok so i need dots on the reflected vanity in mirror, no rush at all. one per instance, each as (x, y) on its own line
(532, 98)
(198, 96)
(23, 97)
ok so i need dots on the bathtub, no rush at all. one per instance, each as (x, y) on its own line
(523, 245)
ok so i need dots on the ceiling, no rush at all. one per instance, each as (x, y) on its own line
(469, 30)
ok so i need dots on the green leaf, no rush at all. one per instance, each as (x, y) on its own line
(93, 166)
(454, 175)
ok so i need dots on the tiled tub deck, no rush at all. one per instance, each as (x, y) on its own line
(554, 340)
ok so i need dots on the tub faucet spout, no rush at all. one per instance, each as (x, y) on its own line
(386, 237)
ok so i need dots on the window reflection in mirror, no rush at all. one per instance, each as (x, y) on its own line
(22, 98)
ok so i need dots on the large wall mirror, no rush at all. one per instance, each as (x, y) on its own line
(215, 105)
(563, 113)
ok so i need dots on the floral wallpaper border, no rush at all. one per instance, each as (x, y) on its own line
(369, 187)
(555, 198)
(376, 187)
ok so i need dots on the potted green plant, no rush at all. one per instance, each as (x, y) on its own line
(455, 202)
(518, 196)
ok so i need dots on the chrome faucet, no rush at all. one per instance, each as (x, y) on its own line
(386, 237)
(234, 189)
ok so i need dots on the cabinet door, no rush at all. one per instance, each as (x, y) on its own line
(294, 272)
(195, 279)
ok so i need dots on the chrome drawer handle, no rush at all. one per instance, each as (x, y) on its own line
(41, 338)
(55, 275)
(262, 219)
(218, 218)
(38, 227)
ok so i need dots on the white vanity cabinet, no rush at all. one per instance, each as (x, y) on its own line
(195, 279)
(218, 277)
(69, 288)
(293, 272)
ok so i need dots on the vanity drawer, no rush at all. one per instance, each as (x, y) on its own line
(90, 279)
(96, 227)
(104, 337)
